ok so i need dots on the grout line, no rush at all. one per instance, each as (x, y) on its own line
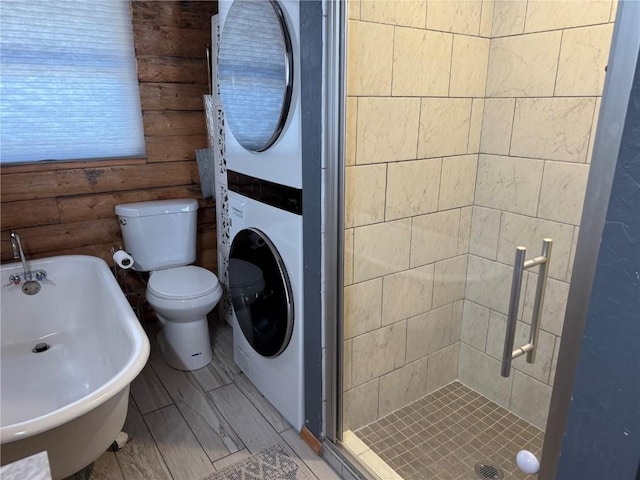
(153, 439)
(355, 153)
(544, 165)
(555, 81)
(513, 122)
(453, 41)
(393, 55)
(526, 11)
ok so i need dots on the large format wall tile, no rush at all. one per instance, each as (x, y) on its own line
(457, 183)
(362, 307)
(410, 13)
(475, 325)
(530, 399)
(583, 59)
(554, 362)
(594, 129)
(406, 294)
(461, 16)
(381, 249)
(544, 353)
(347, 361)
(523, 66)
(365, 190)
(421, 62)
(442, 367)
(509, 183)
(554, 307)
(552, 128)
(486, 18)
(428, 332)
(353, 9)
(351, 131)
(412, 188)
(387, 129)
(464, 233)
(444, 127)
(348, 256)
(482, 373)
(508, 17)
(475, 127)
(449, 280)
(468, 66)
(403, 386)
(485, 231)
(497, 122)
(456, 321)
(488, 283)
(529, 232)
(562, 193)
(434, 237)
(378, 352)
(554, 15)
(361, 405)
(370, 58)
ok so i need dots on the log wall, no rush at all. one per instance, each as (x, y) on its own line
(67, 208)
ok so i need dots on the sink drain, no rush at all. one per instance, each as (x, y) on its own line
(488, 470)
(41, 347)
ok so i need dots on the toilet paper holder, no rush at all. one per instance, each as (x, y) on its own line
(136, 299)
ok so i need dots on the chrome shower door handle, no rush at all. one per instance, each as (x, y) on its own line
(520, 265)
(541, 287)
(512, 317)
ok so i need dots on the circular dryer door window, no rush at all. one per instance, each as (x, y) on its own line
(255, 72)
(260, 292)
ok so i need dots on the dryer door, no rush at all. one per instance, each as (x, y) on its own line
(260, 292)
(255, 72)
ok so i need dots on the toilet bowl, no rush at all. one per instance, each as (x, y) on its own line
(161, 238)
(182, 297)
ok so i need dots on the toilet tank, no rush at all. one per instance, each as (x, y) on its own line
(159, 234)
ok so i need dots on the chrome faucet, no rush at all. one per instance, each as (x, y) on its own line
(16, 248)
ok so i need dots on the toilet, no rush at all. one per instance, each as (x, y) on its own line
(161, 238)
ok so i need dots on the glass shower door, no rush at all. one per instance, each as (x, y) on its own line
(469, 133)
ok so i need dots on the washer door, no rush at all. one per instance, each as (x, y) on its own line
(255, 72)
(260, 292)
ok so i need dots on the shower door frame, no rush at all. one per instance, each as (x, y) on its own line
(622, 60)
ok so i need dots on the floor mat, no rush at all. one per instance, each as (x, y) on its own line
(271, 464)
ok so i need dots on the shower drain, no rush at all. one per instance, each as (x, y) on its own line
(488, 470)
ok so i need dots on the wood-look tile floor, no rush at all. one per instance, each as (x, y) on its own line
(187, 425)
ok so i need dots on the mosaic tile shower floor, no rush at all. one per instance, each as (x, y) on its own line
(444, 434)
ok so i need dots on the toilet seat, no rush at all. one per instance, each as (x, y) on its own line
(182, 283)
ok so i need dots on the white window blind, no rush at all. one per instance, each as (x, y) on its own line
(68, 82)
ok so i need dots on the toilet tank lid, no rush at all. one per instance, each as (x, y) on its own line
(156, 207)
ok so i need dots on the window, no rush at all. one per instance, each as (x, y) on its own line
(68, 82)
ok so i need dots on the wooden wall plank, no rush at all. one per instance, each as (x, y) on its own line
(172, 70)
(171, 41)
(174, 123)
(192, 15)
(52, 238)
(99, 180)
(172, 96)
(175, 148)
(78, 208)
(29, 213)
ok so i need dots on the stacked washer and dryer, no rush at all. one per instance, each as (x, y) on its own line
(261, 204)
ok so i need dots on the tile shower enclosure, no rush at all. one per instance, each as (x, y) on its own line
(470, 126)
